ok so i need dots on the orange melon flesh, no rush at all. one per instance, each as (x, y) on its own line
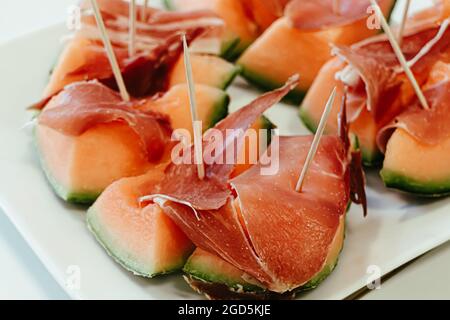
(213, 270)
(71, 58)
(209, 70)
(143, 240)
(206, 69)
(283, 50)
(240, 31)
(248, 153)
(212, 106)
(311, 109)
(415, 167)
(80, 168)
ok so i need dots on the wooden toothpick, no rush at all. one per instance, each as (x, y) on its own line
(400, 56)
(316, 141)
(110, 52)
(132, 28)
(401, 29)
(198, 152)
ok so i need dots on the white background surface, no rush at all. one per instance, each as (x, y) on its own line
(22, 276)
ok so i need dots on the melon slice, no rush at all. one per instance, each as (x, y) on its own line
(240, 30)
(212, 106)
(415, 167)
(80, 168)
(219, 73)
(283, 50)
(261, 124)
(311, 109)
(143, 240)
(206, 69)
(217, 279)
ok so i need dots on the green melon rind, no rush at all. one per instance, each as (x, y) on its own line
(210, 276)
(240, 286)
(295, 96)
(168, 5)
(220, 110)
(230, 49)
(74, 197)
(121, 258)
(307, 120)
(431, 189)
(229, 78)
(370, 158)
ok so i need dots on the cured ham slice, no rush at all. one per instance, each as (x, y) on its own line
(320, 14)
(158, 47)
(84, 105)
(429, 127)
(380, 82)
(181, 182)
(259, 223)
(271, 232)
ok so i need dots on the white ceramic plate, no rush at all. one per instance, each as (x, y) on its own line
(398, 228)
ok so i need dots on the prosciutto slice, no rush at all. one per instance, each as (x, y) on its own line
(181, 182)
(270, 231)
(84, 105)
(381, 83)
(259, 223)
(319, 14)
(158, 45)
(429, 127)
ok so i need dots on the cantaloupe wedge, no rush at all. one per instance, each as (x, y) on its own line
(142, 239)
(240, 30)
(80, 168)
(248, 153)
(218, 279)
(206, 69)
(212, 71)
(282, 51)
(364, 127)
(415, 167)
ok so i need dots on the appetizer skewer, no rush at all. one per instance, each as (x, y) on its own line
(116, 217)
(377, 87)
(240, 229)
(379, 92)
(302, 38)
(104, 138)
(156, 65)
(226, 223)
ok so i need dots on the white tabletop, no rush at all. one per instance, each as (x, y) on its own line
(23, 276)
